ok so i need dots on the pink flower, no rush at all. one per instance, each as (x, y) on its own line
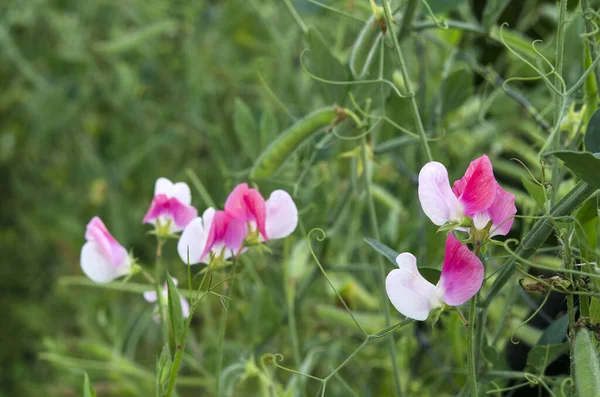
(150, 296)
(171, 203)
(103, 259)
(246, 211)
(476, 195)
(414, 297)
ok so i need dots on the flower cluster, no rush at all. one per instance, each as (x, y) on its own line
(247, 220)
(475, 204)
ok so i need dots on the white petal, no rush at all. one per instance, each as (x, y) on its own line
(98, 268)
(192, 241)
(282, 215)
(437, 199)
(163, 186)
(181, 191)
(407, 261)
(150, 296)
(411, 294)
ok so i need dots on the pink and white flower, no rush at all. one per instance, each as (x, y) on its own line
(477, 195)
(103, 259)
(151, 297)
(246, 212)
(171, 204)
(414, 297)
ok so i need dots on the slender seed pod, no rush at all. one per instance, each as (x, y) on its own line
(288, 141)
(587, 367)
(365, 47)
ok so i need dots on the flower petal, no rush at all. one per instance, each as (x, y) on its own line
(462, 273)
(502, 212)
(217, 231)
(281, 214)
(409, 292)
(435, 194)
(192, 241)
(477, 189)
(247, 205)
(235, 234)
(98, 267)
(107, 245)
(235, 205)
(185, 307)
(163, 186)
(181, 191)
(150, 296)
(182, 214)
(257, 207)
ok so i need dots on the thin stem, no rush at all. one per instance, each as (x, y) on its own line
(404, 71)
(558, 99)
(471, 348)
(591, 40)
(409, 15)
(296, 16)
(158, 270)
(568, 263)
(386, 308)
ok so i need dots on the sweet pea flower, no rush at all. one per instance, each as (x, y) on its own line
(171, 205)
(151, 297)
(103, 259)
(477, 195)
(414, 297)
(247, 216)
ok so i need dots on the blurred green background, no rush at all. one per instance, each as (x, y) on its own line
(98, 98)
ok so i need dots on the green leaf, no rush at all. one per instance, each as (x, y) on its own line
(383, 250)
(323, 64)
(555, 333)
(456, 88)
(246, 129)
(587, 216)
(88, 390)
(535, 191)
(175, 312)
(540, 356)
(163, 371)
(584, 164)
(587, 367)
(592, 133)
(268, 128)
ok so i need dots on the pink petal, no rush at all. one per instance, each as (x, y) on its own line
(462, 273)
(409, 292)
(502, 212)
(107, 245)
(477, 189)
(282, 215)
(235, 234)
(435, 194)
(216, 234)
(171, 209)
(247, 205)
(235, 204)
(256, 206)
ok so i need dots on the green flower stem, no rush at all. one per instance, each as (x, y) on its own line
(158, 272)
(471, 348)
(568, 264)
(386, 307)
(404, 71)
(407, 20)
(181, 344)
(538, 235)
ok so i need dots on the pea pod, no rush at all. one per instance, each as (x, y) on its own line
(365, 47)
(587, 367)
(288, 141)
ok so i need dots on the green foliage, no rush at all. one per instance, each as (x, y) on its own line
(587, 366)
(100, 98)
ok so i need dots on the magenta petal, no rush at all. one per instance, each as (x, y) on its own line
(258, 210)
(218, 228)
(235, 204)
(477, 189)
(235, 234)
(502, 212)
(462, 273)
(157, 208)
(182, 214)
(108, 246)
